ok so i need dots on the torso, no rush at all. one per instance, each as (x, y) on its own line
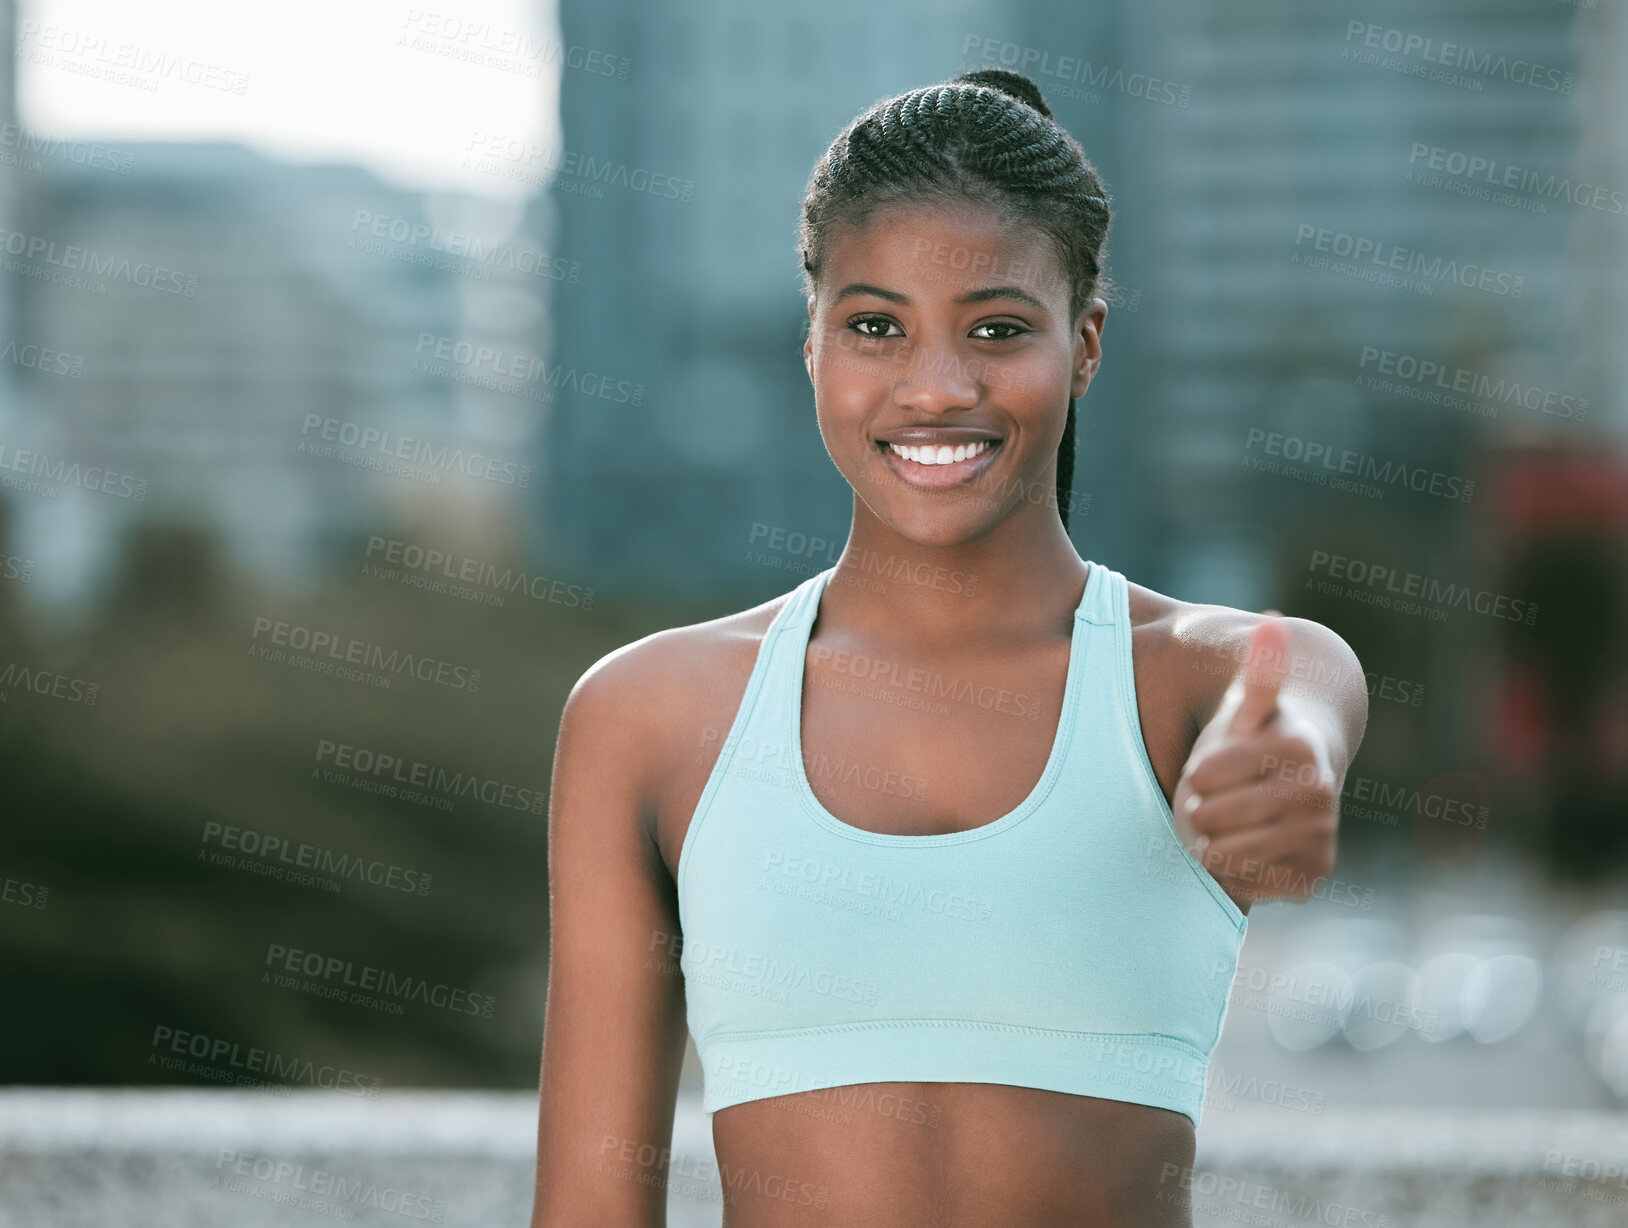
(976, 1153)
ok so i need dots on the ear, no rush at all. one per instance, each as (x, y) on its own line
(808, 341)
(1088, 346)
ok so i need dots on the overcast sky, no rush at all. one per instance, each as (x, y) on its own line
(321, 80)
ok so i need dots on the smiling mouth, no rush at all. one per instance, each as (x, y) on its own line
(927, 454)
(930, 466)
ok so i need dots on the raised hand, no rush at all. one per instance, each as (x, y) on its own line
(1256, 801)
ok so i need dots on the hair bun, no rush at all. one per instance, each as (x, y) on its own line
(1012, 84)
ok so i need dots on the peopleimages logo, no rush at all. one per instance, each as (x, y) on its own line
(1039, 62)
(1218, 1190)
(491, 361)
(390, 445)
(367, 979)
(571, 170)
(121, 62)
(832, 876)
(65, 473)
(73, 258)
(1434, 376)
(273, 856)
(45, 361)
(317, 644)
(1223, 1089)
(714, 963)
(931, 684)
(306, 1186)
(1496, 174)
(46, 682)
(1457, 57)
(1337, 460)
(1386, 584)
(432, 569)
(1394, 799)
(23, 894)
(218, 1058)
(1389, 257)
(477, 42)
(404, 770)
(464, 251)
(80, 153)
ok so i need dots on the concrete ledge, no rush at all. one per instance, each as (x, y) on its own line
(1395, 1167)
(182, 1157)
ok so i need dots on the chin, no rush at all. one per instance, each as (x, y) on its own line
(960, 520)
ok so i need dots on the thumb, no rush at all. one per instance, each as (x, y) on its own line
(1267, 667)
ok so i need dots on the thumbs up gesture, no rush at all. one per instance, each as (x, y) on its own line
(1256, 801)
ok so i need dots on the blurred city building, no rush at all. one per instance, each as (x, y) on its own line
(273, 349)
(724, 112)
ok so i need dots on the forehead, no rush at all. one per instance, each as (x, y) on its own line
(943, 248)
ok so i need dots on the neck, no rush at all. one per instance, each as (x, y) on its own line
(1023, 577)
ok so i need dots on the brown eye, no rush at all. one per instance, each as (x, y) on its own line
(1012, 330)
(863, 324)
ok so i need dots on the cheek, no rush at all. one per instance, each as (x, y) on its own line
(1023, 384)
(847, 376)
(1034, 381)
(843, 396)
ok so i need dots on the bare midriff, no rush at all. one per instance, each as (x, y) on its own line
(952, 1155)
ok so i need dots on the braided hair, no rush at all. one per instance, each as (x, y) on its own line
(986, 136)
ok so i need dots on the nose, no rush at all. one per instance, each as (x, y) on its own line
(937, 377)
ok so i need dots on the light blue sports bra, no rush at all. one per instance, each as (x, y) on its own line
(1073, 944)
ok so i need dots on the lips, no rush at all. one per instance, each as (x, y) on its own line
(937, 436)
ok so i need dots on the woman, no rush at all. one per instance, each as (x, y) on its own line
(945, 957)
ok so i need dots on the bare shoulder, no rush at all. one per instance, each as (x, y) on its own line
(1194, 650)
(668, 677)
(665, 703)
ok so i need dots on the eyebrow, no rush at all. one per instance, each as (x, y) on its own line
(972, 296)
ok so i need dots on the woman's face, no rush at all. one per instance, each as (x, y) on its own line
(943, 359)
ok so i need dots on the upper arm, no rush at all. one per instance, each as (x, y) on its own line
(614, 1024)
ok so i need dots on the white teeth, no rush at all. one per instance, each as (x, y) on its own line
(943, 455)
